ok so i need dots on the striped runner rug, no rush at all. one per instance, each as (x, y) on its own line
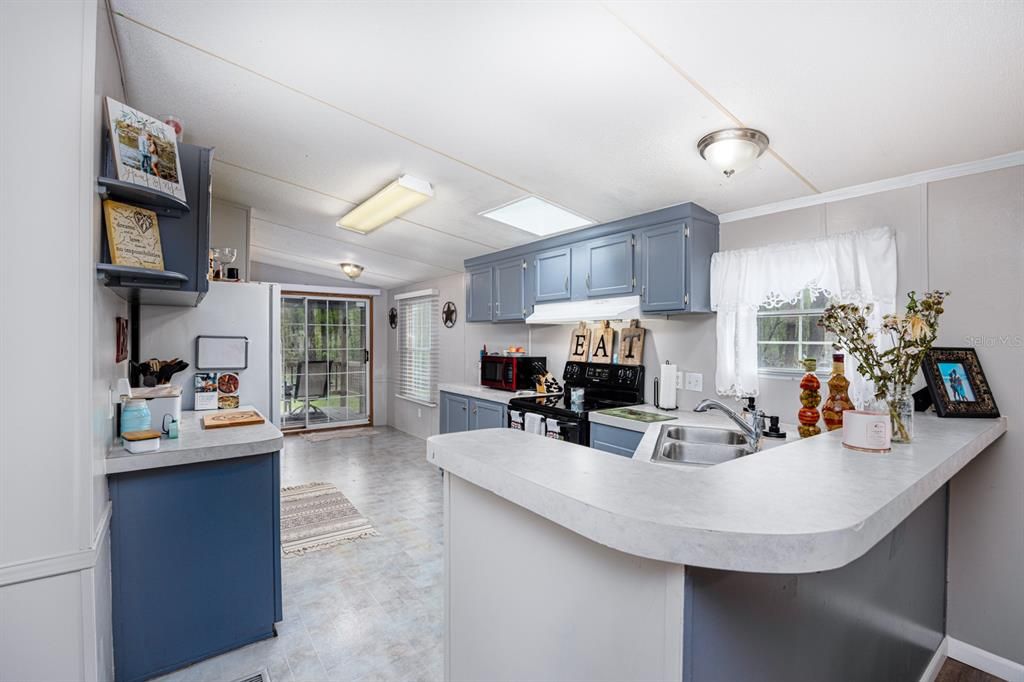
(316, 516)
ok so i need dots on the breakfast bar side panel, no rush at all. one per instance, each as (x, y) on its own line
(528, 599)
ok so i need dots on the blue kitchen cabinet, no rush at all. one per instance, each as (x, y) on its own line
(195, 562)
(510, 290)
(552, 274)
(454, 413)
(614, 440)
(480, 295)
(606, 266)
(663, 268)
(487, 415)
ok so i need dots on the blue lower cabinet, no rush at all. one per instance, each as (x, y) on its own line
(195, 562)
(614, 440)
(462, 413)
(487, 415)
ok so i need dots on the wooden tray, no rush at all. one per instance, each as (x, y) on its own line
(223, 420)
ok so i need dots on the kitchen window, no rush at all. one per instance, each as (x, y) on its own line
(418, 316)
(789, 333)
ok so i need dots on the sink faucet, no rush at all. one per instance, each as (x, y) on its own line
(752, 430)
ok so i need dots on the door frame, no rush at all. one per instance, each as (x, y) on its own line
(369, 347)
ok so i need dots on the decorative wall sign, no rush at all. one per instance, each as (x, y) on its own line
(133, 236)
(631, 344)
(145, 150)
(121, 339)
(957, 383)
(579, 343)
(449, 314)
(601, 348)
(393, 318)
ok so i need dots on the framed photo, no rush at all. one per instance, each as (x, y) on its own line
(145, 150)
(133, 236)
(121, 336)
(957, 383)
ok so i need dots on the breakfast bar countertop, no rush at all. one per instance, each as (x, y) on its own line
(196, 444)
(483, 392)
(805, 506)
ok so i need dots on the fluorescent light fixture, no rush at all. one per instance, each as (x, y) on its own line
(535, 215)
(400, 196)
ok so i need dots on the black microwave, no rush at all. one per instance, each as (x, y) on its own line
(511, 373)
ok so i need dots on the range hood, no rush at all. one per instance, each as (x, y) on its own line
(591, 310)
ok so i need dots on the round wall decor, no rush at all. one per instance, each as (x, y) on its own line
(449, 314)
(393, 318)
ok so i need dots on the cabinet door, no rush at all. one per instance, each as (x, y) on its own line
(553, 271)
(479, 295)
(486, 415)
(663, 268)
(510, 290)
(454, 413)
(608, 265)
(614, 440)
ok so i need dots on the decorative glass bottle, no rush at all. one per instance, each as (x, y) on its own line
(810, 398)
(901, 414)
(838, 395)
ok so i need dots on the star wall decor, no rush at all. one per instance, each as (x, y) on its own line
(449, 314)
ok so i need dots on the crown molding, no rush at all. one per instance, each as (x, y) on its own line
(910, 180)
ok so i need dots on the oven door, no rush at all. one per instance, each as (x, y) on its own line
(569, 430)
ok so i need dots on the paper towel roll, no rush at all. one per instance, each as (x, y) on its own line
(667, 392)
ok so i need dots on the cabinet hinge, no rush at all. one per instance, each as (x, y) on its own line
(634, 282)
(686, 231)
(686, 299)
(524, 265)
(632, 241)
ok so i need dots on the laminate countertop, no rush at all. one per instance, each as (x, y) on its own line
(483, 392)
(196, 444)
(805, 506)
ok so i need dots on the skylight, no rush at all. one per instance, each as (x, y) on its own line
(535, 215)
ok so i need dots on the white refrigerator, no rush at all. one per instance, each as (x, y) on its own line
(252, 310)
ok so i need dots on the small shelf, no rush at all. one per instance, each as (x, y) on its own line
(160, 202)
(142, 285)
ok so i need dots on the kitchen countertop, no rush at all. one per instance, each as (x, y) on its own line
(809, 505)
(196, 444)
(484, 393)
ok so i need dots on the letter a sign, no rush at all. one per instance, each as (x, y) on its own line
(601, 352)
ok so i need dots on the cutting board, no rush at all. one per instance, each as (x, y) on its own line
(222, 420)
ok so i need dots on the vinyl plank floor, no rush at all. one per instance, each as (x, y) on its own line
(371, 609)
(955, 671)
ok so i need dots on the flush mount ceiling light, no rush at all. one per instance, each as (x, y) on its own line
(400, 196)
(733, 149)
(351, 269)
(535, 215)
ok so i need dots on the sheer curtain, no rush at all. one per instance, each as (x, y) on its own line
(853, 267)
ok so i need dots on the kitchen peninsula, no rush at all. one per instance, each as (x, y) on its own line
(195, 545)
(805, 561)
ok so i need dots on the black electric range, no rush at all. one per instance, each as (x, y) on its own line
(604, 387)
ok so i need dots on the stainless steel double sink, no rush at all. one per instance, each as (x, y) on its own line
(700, 445)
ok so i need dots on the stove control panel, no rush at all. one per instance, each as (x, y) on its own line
(587, 374)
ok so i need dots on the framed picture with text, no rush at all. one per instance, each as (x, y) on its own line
(957, 383)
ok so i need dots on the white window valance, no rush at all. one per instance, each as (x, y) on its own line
(854, 267)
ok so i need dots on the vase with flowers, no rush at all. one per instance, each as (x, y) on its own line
(893, 369)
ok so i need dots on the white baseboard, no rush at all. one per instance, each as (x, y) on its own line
(985, 660)
(935, 665)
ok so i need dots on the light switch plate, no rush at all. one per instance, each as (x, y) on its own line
(694, 381)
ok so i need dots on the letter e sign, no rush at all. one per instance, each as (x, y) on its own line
(579, 343)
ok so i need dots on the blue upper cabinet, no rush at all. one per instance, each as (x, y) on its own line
(510, 290)
(607, 265)
(664, 256)
(552, 273)
(663, 268)
(480, 295)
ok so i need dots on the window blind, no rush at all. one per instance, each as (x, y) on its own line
(417, 348)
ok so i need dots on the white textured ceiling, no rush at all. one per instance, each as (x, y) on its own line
(313, 106)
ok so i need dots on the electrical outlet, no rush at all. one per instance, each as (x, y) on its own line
(694, 381)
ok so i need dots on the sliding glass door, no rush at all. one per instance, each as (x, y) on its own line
(326, 361)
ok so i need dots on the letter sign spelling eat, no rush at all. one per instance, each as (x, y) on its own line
(579, 343)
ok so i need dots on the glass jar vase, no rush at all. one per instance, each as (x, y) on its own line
(901, 414)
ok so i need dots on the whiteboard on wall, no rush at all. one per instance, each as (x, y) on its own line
(222, 352)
